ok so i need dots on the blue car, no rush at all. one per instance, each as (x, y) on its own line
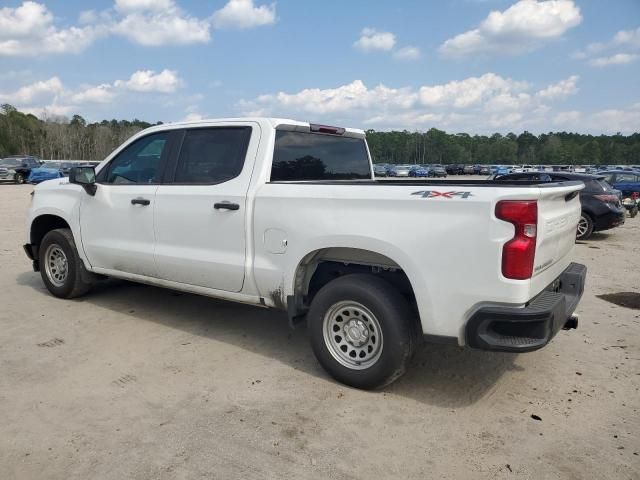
(41, 174)
(628, 182)
(501, 170)
(420, 171)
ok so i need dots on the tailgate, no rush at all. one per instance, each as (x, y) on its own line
(558, 215)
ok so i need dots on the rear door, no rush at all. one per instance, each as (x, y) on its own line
(201, 211)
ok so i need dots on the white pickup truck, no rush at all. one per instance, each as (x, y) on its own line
(288, 215)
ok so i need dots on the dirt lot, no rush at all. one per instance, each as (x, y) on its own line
(137, 382)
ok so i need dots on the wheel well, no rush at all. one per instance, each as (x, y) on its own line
(44, 224)
(320, 267)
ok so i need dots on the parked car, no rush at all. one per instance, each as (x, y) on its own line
(399, 170)
(380, 170)
(420, 171)
(47, 172)
(438, 171)
(454, 169)
(468, 170)
(601, 206)
(503, 170)
(484, 170)
(17, 168)
(248, 212)
(628, 182)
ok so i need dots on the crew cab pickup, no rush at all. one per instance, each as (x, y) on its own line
(288, 215)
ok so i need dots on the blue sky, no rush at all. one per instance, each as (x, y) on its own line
(461, 65)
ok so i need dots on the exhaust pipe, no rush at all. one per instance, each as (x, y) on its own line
(572, 322)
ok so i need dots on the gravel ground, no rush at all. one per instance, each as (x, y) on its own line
(137, 382)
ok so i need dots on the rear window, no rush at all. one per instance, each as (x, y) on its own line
(313, 156)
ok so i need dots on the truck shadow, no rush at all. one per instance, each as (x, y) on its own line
(440, 375)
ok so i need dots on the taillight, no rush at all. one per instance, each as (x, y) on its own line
(608, 198)
(519, 252)
(326, 129)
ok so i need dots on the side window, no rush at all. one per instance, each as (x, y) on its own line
(626, 178)
(313, 156)
(138, 163)
(212, 155)
(609, 178)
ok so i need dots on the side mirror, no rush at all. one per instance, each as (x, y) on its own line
(85, 177)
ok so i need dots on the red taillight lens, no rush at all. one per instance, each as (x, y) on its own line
(519, 252)
(608, 198)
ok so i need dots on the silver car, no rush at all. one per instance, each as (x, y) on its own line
(400, 171)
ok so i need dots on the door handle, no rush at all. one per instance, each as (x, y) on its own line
(226, 205)
(140, 201)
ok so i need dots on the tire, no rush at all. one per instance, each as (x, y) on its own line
(62, 270)
(19, 178)
(633, 212)
(585, 227)
(383, 334)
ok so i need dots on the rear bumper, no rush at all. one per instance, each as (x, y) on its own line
(610, 219)
(523, 329)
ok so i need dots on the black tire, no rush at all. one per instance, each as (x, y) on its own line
(633, 212)
(585, 219)
(19, 178)
(398, 337)
(77, 280)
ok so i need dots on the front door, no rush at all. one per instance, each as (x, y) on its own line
(117, 223)
(200, 216)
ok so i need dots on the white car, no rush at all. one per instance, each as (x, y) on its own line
(287, 215)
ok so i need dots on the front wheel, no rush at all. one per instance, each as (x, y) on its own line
(362, 331)
(19, 178)
(62, 270)
(585, 227)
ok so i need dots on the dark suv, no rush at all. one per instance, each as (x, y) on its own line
(601, 206)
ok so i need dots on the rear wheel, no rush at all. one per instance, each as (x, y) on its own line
(62, 270)
(585, 227)
(362, 331)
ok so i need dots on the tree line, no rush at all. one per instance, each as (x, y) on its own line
(61, 138)
(559, 148)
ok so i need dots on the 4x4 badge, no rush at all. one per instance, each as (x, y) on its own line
(435, 193)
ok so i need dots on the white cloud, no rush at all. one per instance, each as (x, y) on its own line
(522, 27)
(469, 92)
(345, 98)
(629, 38)
(560, 90)
(167, 81)
(103, 93)
(371, 40)
(153, 24)
(476, 104)
(606, 121)
(37, 91)
(617, 59)
(244, 14)
(622, 49)
(28, 30)
(139, 5)
(52, 111)
(407, 53)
